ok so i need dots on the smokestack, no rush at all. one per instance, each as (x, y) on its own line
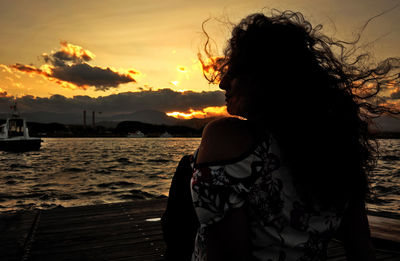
(93, 119)
(84, 118)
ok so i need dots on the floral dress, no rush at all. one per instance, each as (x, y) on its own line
(282, 227)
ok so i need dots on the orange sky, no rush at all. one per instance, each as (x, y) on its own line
(133, 46)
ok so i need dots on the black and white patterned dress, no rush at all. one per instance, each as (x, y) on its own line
(282, 227)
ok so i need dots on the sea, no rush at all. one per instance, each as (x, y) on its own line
(68, 172)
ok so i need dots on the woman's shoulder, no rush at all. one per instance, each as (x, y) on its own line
(224, 139)
(229, 125)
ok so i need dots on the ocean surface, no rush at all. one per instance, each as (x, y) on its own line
(86, 171)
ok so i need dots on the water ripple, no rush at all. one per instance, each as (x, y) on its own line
(82, 171)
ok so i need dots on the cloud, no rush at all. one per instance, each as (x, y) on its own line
(165, 100)
(27, 69)
(83, 74)
(394, 88)
(5, 68)
(69, 53)
(395, 94)
(69, 68)
(3, 93)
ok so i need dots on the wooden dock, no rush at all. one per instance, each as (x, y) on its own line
(124, 231)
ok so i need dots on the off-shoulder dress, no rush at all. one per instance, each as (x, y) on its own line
(282, 226)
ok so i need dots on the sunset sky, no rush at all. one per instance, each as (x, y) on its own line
(102, 50)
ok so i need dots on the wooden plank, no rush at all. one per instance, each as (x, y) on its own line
(105, 252)
(385, 228)
(14, 231)
(96, 241)
(124, 233)
(336, 253)
(120, 231)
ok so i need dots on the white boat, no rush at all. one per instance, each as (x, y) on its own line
(14, 134)
(165, 135)
(137, 134)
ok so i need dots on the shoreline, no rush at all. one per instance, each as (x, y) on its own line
(383, 214)
(151, 137)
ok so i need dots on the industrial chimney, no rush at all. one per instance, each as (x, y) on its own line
(93, 119)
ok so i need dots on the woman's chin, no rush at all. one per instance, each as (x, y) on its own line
(230, 110)
(234, 112)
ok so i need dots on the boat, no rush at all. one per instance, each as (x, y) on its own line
(165, 135)
(137, 134)
(14, 134)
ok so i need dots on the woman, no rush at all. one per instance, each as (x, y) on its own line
(280, 181)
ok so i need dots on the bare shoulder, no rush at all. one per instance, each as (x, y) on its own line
(224, 139)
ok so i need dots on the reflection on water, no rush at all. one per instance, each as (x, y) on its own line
(386, 179)
(85, 171)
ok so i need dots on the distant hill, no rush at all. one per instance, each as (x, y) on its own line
(155, 130)
(49, 117)
(111, 121)
(387, 124)
(146, 116)
(51, 122)
(383, 123)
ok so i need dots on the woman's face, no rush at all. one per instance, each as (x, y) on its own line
(237, 97)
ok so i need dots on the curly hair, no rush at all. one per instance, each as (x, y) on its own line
(318, 98)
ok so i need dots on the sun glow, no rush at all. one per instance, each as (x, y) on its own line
(204, 113)
(47, 69)
(76, 51)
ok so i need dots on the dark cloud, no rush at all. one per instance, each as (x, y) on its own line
(84, 74)
(62, 55)
(69, 65)
(26, 68)
(3, 93)
(68, 53)
(395, 94)
(161, 100)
